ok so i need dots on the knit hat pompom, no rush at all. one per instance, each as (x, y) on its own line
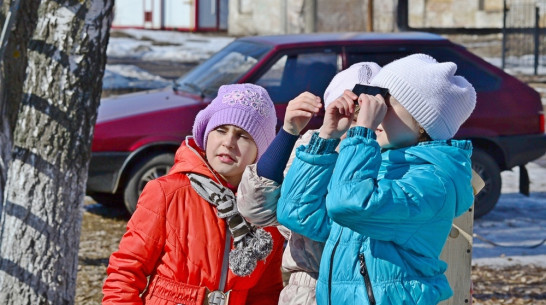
(360, 73)
(246, 106)
(439, 100)
(261, 243)
(242, 261)
(256, 246)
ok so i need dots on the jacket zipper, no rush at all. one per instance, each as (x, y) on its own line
(331, 265)
(366, 276)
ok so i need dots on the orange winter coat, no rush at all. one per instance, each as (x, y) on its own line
(175, 241)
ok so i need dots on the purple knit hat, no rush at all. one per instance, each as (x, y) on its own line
(246, 106)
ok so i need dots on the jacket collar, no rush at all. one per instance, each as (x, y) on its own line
(190, 158)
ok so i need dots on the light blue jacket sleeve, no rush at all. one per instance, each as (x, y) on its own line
(390, 209)
(301, 207)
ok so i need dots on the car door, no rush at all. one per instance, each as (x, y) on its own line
(379, 53)
(293, 72)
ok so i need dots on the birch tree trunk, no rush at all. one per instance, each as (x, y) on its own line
(41, 219)
(13, 64)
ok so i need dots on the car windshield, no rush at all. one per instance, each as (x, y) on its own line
(225, 67)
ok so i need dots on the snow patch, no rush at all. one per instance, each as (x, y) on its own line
(129, 76)
(516, 223)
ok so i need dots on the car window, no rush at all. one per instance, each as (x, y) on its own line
(272, 78)
(225, 67)
(380, 57)
(292, 74)
(480, 78)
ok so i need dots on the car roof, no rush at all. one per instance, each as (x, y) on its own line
(338, 37)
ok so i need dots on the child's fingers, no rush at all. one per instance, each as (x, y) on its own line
(294, 112)
(351, 94)
(309, 98)
(380, 97)
(305, 105)
(301, 113)
(307, 102)
(363, 98)
(373, 110)
(372, 101)
(344, 105)
(348, 104)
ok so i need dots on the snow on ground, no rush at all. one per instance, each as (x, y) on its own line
(147, 45)
(164, 45)
(517, 221)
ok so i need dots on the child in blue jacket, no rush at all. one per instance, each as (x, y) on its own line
(385, 203)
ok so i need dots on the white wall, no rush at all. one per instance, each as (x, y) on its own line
(129, 13)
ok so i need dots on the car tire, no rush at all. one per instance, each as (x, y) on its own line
(489, 171)
(108, 200)
(144, 171)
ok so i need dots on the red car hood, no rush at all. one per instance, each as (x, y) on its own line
(142, 102)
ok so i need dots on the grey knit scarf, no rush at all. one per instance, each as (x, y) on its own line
(251, 244)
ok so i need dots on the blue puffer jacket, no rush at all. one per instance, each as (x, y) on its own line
(384, 216)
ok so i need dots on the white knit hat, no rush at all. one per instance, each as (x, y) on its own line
(359, 73)
(439, 100)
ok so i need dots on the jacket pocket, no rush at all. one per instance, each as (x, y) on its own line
(173, 291)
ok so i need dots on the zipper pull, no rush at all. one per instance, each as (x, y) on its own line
(362, 263)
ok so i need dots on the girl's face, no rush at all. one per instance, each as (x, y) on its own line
(229, 150)
(398, 129)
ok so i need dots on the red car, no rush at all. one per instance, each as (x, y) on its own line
(136, 135)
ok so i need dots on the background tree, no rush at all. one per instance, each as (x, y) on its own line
(41, 217)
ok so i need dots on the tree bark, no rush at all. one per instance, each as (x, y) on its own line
(41, 219)
(13, 64)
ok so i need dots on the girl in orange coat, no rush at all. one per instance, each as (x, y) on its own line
(187, 231)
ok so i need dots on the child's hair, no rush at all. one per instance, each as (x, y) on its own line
(438, 100)
(423, 135)
(246, 106)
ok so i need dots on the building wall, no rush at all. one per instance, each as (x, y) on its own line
(352, 15)
(248, 17)
(455, 13)
(341, 15)
(251, 17)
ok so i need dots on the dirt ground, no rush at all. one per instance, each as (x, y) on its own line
(103, 226)
(102, 229)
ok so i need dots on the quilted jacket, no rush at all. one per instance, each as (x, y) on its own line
(384, 216)
(257, 201)
(173, 249)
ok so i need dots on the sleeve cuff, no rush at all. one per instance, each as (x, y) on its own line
(320, 146)
(286, 136)
(361, 132)
(273, 162)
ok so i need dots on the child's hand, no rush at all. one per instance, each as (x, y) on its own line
(372, 111)
(339, 116)
(300, 111)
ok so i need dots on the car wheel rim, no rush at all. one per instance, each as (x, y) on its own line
(151, 174)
